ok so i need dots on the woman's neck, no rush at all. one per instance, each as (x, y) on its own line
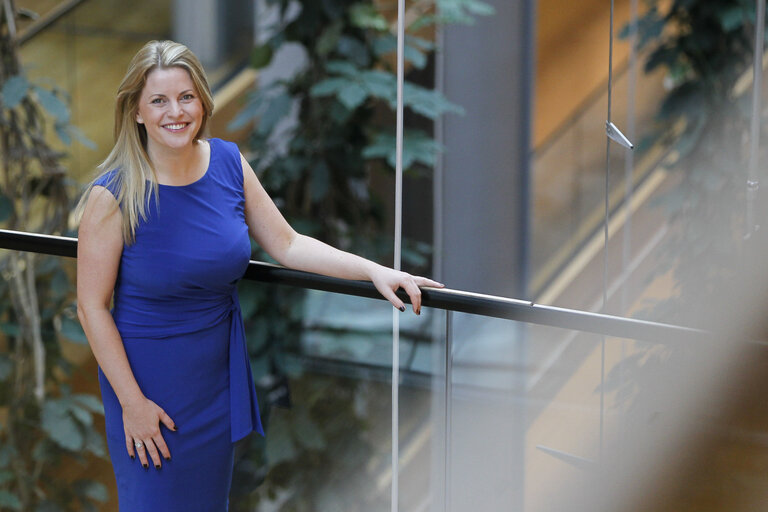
(177, 166)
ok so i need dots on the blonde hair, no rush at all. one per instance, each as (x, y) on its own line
(128, 166)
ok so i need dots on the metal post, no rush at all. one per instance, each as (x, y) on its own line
(753, 182)
(397, 263)
(448, 395)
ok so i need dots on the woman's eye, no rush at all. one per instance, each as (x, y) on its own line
(157, 100)
(187, 97)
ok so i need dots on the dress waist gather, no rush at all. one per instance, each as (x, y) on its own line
(163, 319)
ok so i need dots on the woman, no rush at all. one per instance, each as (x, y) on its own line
(165, 228)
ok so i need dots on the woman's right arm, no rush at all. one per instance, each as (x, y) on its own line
(99, 248)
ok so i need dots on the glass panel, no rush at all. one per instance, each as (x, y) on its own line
(569, 173)
(525, 414)
(329, 449)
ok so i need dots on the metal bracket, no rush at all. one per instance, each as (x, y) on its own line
(615, 135)
(574, 460)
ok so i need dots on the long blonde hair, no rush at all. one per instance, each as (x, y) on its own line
(128, 166)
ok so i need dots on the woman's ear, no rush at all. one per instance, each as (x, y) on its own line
(139, 119)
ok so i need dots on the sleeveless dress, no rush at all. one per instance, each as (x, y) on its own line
(177, 311)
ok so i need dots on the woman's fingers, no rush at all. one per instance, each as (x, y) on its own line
(141, 452)
(153, 453)
(392, 297)
(423, 281)
(162, 447)
(129, 446)
(167, 421)
(410, 287)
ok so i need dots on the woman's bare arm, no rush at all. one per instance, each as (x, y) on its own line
(99, 249)
(270, 229)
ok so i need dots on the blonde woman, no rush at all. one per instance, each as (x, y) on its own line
(165, 230)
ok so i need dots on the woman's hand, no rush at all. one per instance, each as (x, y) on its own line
(141, 420)
(388, 280)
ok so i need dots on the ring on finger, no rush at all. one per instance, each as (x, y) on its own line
(139, 444)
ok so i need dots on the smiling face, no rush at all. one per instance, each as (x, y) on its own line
(170, 109)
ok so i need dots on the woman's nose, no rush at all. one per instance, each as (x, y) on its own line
(174, 108)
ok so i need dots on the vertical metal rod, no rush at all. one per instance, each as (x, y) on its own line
(754, 143)
(605, 229)
(397, 264)
(629, 168)
(438, 183)
(448, 411)
(629, 156)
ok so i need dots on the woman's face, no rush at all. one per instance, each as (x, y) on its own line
(170, 109)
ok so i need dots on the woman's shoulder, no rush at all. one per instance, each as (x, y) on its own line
(226, 155)
(111, 180)
(225, 145)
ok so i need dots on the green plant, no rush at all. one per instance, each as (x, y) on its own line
(320, 136)
(45, 424)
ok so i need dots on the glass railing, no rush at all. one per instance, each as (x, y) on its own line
(500, 400)
(569, 166)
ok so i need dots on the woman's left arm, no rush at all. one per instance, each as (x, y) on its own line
(291, 249)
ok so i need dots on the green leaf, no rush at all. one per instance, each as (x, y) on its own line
(352, 95)
(9, 500)
(261, 56)
(6, 367)
(365, 15)
(328, 86)
(94, 443)
(427, 102)
(328, 40)
(82, 415)
(92, 489)
(14, 90)
(414, 53)
(52, 104)
(731, 18)
(81, 137)
(60, 426)
(380, 84)
(71, 329)
(63, 133)
(9, 329)
(417, 147)
(355, 50)
(90, 402)
(341, 67)
(6, 207)
(276, 110)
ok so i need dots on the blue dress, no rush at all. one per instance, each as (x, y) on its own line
(177, 311)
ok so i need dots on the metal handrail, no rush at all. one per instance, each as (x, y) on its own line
(440, 298)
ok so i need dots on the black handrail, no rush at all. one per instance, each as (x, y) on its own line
(443, 298)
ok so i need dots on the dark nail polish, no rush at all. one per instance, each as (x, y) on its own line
(418, 311)
(167, 458)
(145, 466)
(157, 466)
(133, 457)
(401, 308)
(175, 428)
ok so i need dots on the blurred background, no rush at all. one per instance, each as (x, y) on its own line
(511, 188)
